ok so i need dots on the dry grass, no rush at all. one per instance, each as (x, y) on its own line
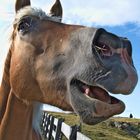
(101, 131)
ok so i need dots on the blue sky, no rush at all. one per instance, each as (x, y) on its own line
(121, 17)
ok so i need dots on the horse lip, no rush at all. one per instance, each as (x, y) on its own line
(109, 108)
(101, 113)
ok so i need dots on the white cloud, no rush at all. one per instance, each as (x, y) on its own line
(4, 43)
(6, 10)
(104, 12)
(101, 12)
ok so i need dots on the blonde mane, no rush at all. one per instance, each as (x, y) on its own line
(39, 13)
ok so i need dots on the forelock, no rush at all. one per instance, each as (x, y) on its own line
(39, 13)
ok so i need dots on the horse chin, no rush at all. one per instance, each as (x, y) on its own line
(92, 103)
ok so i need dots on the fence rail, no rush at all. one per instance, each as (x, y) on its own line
(54, 129)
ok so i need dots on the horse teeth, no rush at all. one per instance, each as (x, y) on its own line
(87, 90)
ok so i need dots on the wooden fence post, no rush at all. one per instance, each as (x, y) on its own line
(73, 135)
(43, 123)
(58, 129)
(47, 123)
(51, 127)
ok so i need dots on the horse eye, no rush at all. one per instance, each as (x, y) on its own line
(103, 49)
(25, 25)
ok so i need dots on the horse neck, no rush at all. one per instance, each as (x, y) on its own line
(5, 85)
(17, 120)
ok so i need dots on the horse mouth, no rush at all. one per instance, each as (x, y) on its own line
(97, 103)
(95, 92)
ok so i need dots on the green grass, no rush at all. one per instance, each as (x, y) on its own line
(101, 131)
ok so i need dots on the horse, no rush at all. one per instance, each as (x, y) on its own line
(72, 67)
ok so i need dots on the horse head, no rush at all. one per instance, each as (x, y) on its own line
(72, 67)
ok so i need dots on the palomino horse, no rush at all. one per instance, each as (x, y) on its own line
(69, 66)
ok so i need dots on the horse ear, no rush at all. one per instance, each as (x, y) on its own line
(57, 10)
(21, 3)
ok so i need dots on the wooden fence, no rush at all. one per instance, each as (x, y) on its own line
(54, 129)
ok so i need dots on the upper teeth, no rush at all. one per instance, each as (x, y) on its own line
(87, 90)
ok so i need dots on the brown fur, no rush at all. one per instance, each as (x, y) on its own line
(49, 61)
(23, 109)
(5, 86)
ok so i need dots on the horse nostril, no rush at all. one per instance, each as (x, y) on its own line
(128, 46)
